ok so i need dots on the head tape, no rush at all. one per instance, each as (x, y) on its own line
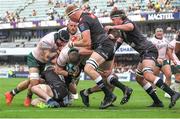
(118, 13)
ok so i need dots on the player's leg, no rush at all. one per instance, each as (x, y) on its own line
(112, 79)
(176, 71)
(166, 69)
(35, 67)
(20, 87)
(86, 92)
(34, 80)
(90, 68)
(149, 89)
(39, 102)
(73, 90)
(46, 93)
(148, 65)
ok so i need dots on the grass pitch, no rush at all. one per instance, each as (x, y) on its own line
(135, 108)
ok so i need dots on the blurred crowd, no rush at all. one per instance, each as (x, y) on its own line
(136, 7)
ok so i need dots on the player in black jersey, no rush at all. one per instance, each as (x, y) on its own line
(148, 52)
(111, 80)
(95, 38)
(54, 89)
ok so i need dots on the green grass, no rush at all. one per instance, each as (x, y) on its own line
(135, 108)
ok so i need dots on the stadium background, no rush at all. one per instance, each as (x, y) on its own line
(24, 22)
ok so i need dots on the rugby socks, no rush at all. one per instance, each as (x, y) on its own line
(14, 91)
(101, 85)
(114, 81)
(151, 92)
(159, 83)
(29, 94)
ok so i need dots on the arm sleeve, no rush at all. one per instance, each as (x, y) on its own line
(83, 25)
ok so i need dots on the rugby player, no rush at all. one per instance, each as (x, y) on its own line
(148, 52)
(46, 50)
(95, 38)
(176, 65)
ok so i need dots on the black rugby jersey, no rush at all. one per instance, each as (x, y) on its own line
(52, 79)
(90, 22)
(136, 39)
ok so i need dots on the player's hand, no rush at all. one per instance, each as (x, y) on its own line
(107, 28)
(174, 61)
(160, 61)
(74, 38)
(70, 44)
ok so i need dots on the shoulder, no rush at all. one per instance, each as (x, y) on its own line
(64, 28)
(126, 21)
(47, 37)
(87, 17)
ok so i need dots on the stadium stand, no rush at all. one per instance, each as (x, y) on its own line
(23, 9)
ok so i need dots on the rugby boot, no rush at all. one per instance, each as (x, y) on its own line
(85, 99)
(9, 98)
(174, 98)
(127, 95)
(108, 100)
(159, 104)
(27, 102)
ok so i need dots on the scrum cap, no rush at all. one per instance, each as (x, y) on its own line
(62, 35)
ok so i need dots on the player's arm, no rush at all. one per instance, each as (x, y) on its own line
(84, 42)
(48, 52)
(85, 35)
(115, 36)
(60, 67)
(123, 27)
(177, 49)
(84, 51)
(170, 54)
(60, 70)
